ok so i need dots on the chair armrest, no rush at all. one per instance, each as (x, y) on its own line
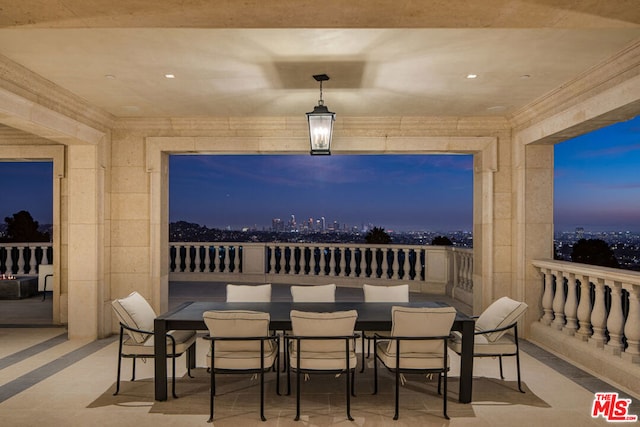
(400, 338)
(259, 338)
(329, 337)
(488, 331)
(129, 328)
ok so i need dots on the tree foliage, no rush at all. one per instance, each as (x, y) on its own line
(594, 252)
(377, 235)
(441, 241)
(22, 228)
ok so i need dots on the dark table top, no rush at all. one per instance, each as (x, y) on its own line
(372, 316)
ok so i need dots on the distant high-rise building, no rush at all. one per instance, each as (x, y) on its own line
(277, 225)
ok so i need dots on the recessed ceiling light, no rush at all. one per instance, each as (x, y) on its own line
(525, 76)
(170, 76)
(109, 76)
(472, 76)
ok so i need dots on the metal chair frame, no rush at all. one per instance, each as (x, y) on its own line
(261, 370)
(190, 357)
(442, 372)
(349, 370)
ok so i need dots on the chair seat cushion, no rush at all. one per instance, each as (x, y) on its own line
(410, 360)
(483, 347)
(326, 361)
(243, 360)
(184, 340)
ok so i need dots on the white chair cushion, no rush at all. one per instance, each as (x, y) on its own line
(184, 340)
(420, 322)
(373, 293)
(309, 324)
(484, 347)
(410, 360)
(249, 293)
(500, 313)
(135, 312)
(323, 354)
(319, 293)
(239, 354)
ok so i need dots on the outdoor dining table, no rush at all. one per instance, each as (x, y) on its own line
(374, 316)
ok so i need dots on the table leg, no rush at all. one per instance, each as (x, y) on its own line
(466, 362)
(160, 359)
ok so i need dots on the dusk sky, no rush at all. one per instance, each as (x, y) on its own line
(597, 186)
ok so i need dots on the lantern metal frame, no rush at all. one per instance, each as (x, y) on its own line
(320, 122)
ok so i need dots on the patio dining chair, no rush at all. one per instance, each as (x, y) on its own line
(136, 318)
(249, 293)
(314, 293)
(417, 344)
(373, 293)
(241, 342)
(322, 343)
(491, 327)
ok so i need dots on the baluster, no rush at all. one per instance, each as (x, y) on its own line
(225, 258)
(395, 264)
(32, 260)
(45, 256)
(284, 260)
(343, 261)
(187, 259)
(615, 321)
(179, 257)
(196, 267)
(305, 264)
(207, 259)
(464, 272)
(20, 260)
(599, 316)
(584, 309)
(547, 298)
(559, 301)
(632, 326)
(9, 261)
(332, 260)
(571, 306)
(170, 270)
(272, 264)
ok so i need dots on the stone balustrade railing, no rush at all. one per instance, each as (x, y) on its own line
(436, 269)
(598, 305)
(24, 258)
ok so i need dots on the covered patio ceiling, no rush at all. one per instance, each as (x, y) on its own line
(256, 58)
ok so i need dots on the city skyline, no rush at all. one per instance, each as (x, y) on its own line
(596, 186)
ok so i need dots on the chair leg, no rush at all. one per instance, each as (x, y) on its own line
(375, 369)
(515, 334)
(118, 377)
(119, 363)
(501, 374)
(396, 414)
(297, 418)
(173, 378)
(348, 393)
(444, 396)
(363, 340)
(133, 372)
(212, 393)
(262, 417)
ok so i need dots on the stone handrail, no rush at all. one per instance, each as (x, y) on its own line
(599, 305)
(437, 269)
(24, 258)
